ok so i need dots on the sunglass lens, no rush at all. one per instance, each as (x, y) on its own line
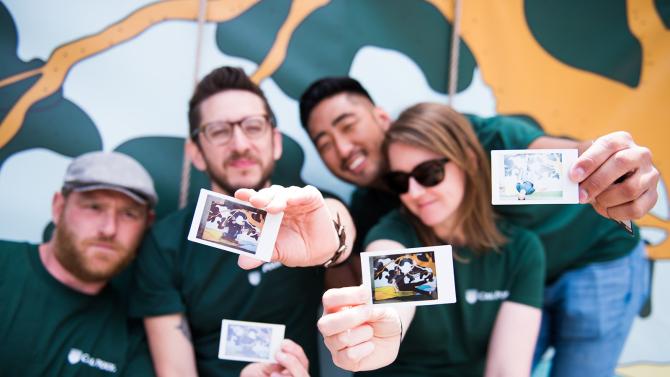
(429, 173)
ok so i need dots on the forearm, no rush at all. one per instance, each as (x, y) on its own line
(513, 339)
(171, 346)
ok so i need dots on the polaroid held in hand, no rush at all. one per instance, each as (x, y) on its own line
(233, 225)
(418, 276)
(533, 176)
(250, 341)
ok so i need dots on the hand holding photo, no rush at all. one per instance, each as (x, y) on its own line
(533, 176)
(230, 224)
(418, 276)
(250, 341)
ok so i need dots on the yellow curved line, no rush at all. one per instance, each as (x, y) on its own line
(20, 76)
(64, 57)
(300, 9)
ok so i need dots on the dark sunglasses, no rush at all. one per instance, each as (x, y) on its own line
(427, 174)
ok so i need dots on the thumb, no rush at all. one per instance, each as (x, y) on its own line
(248, 263)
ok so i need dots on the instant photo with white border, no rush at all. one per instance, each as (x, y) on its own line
(533, 176)
(416, 276)
(234, 225)
(250, 341)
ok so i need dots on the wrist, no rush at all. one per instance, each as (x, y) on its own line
(342, 240)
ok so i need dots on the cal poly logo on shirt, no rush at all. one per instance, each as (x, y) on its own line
(76, 356)
(256, 276)
(473, 295)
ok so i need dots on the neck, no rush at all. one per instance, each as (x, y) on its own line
(51, 263)
(446, 231)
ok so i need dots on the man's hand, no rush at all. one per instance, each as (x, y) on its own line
(358, 336)
(616, 176)
(307, 236)
(291, 362)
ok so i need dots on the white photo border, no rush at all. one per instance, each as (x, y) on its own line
(266, 240)
(446, 290)
(570, 189)
(275, 344)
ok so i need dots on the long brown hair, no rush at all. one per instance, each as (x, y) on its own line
(440, 129)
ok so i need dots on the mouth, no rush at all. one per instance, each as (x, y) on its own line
(425, 204)
(355, 163)
(242, 163)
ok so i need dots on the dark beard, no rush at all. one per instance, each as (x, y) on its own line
(71, 257)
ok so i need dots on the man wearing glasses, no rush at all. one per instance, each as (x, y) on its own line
(184, 290)
(585, 318)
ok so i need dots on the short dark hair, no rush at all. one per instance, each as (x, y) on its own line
(324, 88)
(219, 80)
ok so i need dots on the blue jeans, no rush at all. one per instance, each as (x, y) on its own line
(588, 312)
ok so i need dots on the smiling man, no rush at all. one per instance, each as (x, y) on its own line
(64, 302)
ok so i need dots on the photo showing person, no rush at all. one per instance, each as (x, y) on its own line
(402, 278)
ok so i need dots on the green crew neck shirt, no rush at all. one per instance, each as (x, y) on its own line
(573, 235)
(49, 329)
(452, 339)
(175, 275)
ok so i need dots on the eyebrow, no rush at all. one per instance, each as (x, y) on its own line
(334, 123)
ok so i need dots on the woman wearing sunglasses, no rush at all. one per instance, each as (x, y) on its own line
(442, 175)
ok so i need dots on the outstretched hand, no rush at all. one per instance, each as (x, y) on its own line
(358, 336)
(306, 235)
(291, 362)
(617, 177)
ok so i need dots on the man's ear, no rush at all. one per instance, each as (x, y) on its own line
(277, 144)
(57, 207)
(194, 153)
(151, 217)
(383, 118)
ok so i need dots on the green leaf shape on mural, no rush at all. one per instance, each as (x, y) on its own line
(663, 9)
(53, 123)
(589, 35)
(327, 41)
(163, 159)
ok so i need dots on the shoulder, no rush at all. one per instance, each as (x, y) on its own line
(394, 226)
(14, 249)
(522, 244)
(504, 131)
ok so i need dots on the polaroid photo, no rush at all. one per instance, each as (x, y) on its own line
(233, 225)
(418, 276)
(533, 176)
(250, 341)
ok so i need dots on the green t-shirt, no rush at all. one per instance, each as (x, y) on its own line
(49, 329)
(592, 238)
(175, 275)
(452, 339)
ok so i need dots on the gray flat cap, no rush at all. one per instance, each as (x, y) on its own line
(111, 171)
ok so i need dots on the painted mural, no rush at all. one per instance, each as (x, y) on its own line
(80, 76)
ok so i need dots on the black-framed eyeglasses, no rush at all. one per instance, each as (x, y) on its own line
(427, 174)
(220, 132)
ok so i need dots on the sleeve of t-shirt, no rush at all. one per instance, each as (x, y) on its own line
(504, 132)
(394, 227)
(528, 266)
(155, 288)
(139, 359)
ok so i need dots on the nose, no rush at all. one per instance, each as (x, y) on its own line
(414, 190)
(108, 224)
(343, 146)
(239, 141)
